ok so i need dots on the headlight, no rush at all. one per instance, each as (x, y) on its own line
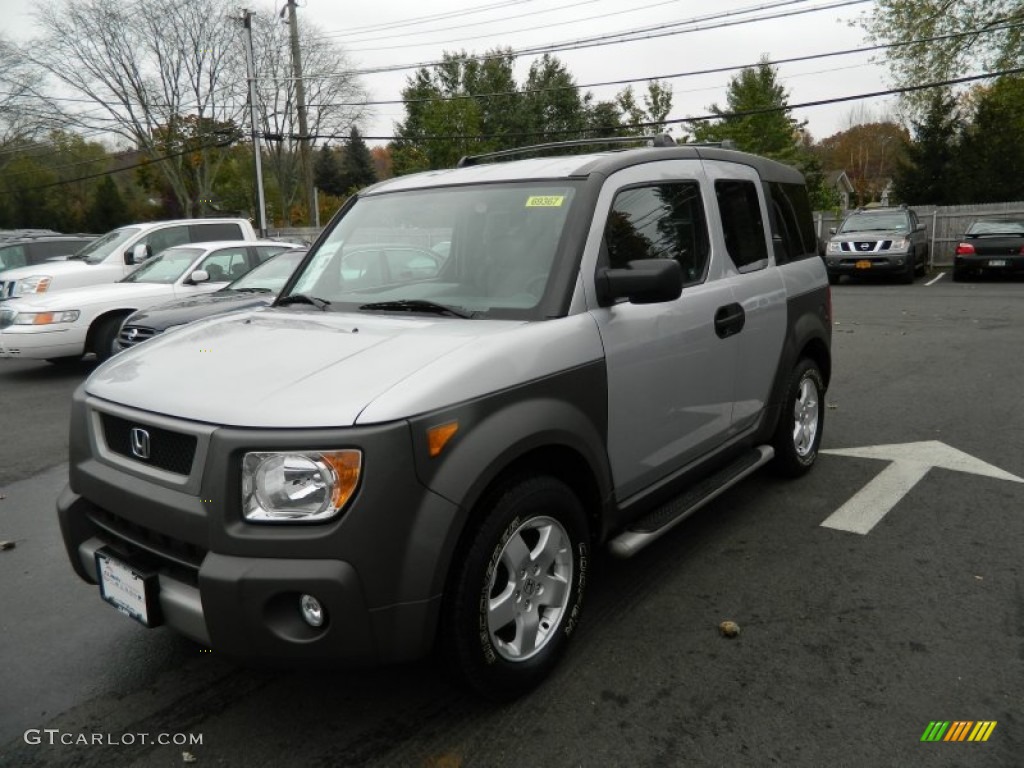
(900, 244)
(33, 284)
(834, 247)
(46, 318)
(299, 487)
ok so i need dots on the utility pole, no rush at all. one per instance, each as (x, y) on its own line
(250, 68)
(305, 164)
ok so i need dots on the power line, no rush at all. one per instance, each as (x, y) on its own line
(678, 75)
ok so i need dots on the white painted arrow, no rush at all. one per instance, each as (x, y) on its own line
(910, 462)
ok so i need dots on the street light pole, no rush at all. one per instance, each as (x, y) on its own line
(250, 66)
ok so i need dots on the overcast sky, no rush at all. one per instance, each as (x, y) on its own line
(403, 32)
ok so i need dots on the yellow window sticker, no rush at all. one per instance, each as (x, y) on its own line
(545, 201)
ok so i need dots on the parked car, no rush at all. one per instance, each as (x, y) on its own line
(30, 251)
(68, 324)
(257, 288)
(878, 241)
(115, 254)
(990, 246)
(366, 470)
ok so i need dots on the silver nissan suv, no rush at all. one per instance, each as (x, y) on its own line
(475, 378)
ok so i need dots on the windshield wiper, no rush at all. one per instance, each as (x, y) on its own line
(302, 298)
(251, 290)
(418, 305)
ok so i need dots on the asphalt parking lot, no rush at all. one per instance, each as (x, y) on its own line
(880, 594)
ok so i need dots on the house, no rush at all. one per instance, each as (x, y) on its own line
(840, 182)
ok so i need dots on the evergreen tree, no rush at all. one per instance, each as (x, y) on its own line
(357, 170)
(327, 173)
(108, 209)
(991, 156)
(927, 175)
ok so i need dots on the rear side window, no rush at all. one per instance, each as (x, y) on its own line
(202, 233)
(742, 224)
(793, 222)
(662, 221)
(12, 256)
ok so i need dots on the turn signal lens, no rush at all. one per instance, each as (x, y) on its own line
(438, 437)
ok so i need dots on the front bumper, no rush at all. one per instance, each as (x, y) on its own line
(867, 264)
(32, 343)
(234, 586)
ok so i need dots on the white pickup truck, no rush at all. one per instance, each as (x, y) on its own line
(116, 254)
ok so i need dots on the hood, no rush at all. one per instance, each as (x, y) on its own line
(124, 294)
(51, 268)
(872, 234)
(164, 316)
(282, 368)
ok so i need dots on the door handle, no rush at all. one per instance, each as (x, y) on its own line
(729, 320)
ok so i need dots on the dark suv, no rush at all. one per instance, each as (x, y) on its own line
(878, 241)
(392, 459)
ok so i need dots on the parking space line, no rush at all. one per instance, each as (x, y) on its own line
(936, 279)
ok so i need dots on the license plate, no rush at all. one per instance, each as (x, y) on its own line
(863, 264)
(997, 262)
(131, 591)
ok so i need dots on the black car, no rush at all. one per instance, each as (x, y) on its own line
(990, 246)
(26, 251)
(257, 288)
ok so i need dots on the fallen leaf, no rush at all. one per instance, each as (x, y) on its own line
(6, 545)
(188, 757)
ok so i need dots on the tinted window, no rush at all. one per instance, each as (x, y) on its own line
(665, 221)
(161, 239)
(12, 256)
(741, 223)
(794, 223)
(202, 233)
(264, 252)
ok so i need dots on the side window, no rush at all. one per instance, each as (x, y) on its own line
(12, 256)
(161, 239)
(793, 222)
(662, 221)
(204, 233)
(742, 224)
(225, 264)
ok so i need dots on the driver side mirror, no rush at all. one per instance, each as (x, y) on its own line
(138, 254)
(199, 276)
(645, 281)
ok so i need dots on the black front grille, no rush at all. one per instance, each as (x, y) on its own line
(145, 546)
(171, 451)
(131, 335)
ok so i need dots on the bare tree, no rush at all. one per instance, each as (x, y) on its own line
(162, 76)
(19, 121)
(336, 100)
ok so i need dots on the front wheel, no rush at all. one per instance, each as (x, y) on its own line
(515, 596)
(801, 422)
(103, 343)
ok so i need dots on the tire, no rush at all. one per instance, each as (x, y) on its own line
(515, 594)
(911, 271)
(64, 362)
(834, 279)
(105, 336)
(801, 421)
(959, 275)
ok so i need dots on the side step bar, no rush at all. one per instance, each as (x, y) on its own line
(663, 519)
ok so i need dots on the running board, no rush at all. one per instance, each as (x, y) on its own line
(663, 519)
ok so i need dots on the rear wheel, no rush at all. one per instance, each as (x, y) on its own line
(798, 434)
(959, 275)
(514, 596)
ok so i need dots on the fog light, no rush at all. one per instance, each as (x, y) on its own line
(312, 612)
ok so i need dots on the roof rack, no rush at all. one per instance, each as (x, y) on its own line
(659, 140)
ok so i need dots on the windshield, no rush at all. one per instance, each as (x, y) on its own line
(165, 268)
(876, 222)
(98, 250)
(271, 275)
(482, 249)
(996, 227)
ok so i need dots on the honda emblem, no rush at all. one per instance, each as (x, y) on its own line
(140, 442)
